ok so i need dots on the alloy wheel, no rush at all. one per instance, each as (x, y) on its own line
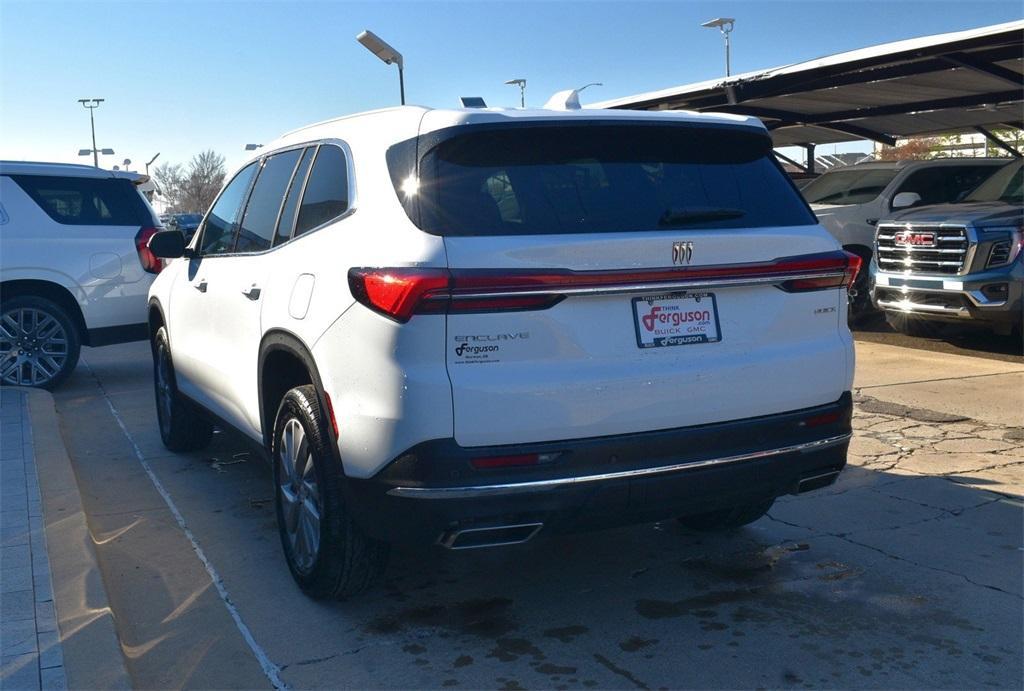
(301, 505)
(33, 347)
(164, 393)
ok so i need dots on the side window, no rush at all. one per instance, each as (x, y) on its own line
(219, 229)
(260, 219)
(86, 201)
(326, 194)
(291, 203)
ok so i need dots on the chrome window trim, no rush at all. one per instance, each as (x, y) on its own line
(477, 491)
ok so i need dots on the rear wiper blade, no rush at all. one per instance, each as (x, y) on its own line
(674, 217)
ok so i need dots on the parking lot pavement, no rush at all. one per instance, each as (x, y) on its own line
(907, 573)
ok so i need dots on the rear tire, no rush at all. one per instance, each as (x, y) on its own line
(912, 325)
(182, 428)
(39, 342)
(727, 519)
(327, 554)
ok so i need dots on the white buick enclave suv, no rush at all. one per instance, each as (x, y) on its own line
(464, 327)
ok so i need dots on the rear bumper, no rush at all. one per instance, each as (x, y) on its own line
(433, 490)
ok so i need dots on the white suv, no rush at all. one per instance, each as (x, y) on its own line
(74, 266)
(466, 326)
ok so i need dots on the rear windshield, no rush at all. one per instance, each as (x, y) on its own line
(593, 178)
(87, 201)
(849, 186)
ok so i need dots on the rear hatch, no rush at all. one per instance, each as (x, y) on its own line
(610, 278)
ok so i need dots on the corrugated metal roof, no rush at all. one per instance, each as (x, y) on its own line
(913, 87)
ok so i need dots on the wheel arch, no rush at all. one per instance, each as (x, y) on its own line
(51, 291)
(155, 318)
(284, 363)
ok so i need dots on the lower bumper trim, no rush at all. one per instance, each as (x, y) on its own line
(479, 491)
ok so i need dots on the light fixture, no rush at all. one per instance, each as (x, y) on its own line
(379, 47)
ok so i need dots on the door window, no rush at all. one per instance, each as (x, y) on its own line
(326, 195)
(260, 219)
(219, 230)
(291, 203)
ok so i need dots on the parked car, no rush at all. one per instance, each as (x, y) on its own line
(955, 263)
(849, 201)
(186, 223)
(462, 327)
(74, 266)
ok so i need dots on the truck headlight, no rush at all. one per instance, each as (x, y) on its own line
(1004, 251)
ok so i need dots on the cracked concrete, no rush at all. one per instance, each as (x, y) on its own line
(904, 574)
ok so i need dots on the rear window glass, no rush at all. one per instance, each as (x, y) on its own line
(595, 178)
(87, 201)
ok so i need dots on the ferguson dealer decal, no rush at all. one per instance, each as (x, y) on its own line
(484, 348)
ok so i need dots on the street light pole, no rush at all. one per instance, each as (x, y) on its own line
(379, 47)
(92, 104)
(521, 83)
(724, 25)
(150, 162)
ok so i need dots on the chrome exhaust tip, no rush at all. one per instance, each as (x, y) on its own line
(816, 481)
(493, 536)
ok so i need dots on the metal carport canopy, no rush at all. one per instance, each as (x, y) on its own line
(933, 84)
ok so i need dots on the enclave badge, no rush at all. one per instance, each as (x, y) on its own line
(682, 252)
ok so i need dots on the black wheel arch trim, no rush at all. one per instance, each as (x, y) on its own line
(280, 340)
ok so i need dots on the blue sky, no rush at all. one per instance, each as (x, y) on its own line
(183, 76)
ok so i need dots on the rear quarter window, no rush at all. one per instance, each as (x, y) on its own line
(86, 201)
(594, 178)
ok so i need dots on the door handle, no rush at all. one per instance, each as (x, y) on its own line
(201, 286)
(252, 292)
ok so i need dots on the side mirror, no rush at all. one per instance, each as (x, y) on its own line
(905, 199)
(167, 244)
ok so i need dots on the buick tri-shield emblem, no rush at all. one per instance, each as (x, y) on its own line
(682, 252)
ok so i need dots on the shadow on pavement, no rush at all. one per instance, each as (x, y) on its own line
(959, 340)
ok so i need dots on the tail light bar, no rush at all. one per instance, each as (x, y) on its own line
(400, 293)
(150, 262)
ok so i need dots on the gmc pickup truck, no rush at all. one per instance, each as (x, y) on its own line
(955, 262)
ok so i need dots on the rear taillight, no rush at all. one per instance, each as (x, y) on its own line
(150, 262)
(839, 271)
(400, 293)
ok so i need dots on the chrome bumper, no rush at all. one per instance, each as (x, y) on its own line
(475, 492)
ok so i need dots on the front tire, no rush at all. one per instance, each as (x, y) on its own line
(39, 342)
(727, 519)
(182, 428)
(327, 554)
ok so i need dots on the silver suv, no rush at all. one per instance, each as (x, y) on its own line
(955, 262)
(849, 201)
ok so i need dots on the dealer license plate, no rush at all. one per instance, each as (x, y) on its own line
(676, 319)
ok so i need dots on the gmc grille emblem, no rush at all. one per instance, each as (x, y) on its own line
(682, 252)
(910, 238)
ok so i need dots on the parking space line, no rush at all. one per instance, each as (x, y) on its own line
(271, 670)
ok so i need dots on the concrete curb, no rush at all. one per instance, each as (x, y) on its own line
(93, 657)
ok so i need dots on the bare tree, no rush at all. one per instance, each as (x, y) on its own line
(192, 188)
